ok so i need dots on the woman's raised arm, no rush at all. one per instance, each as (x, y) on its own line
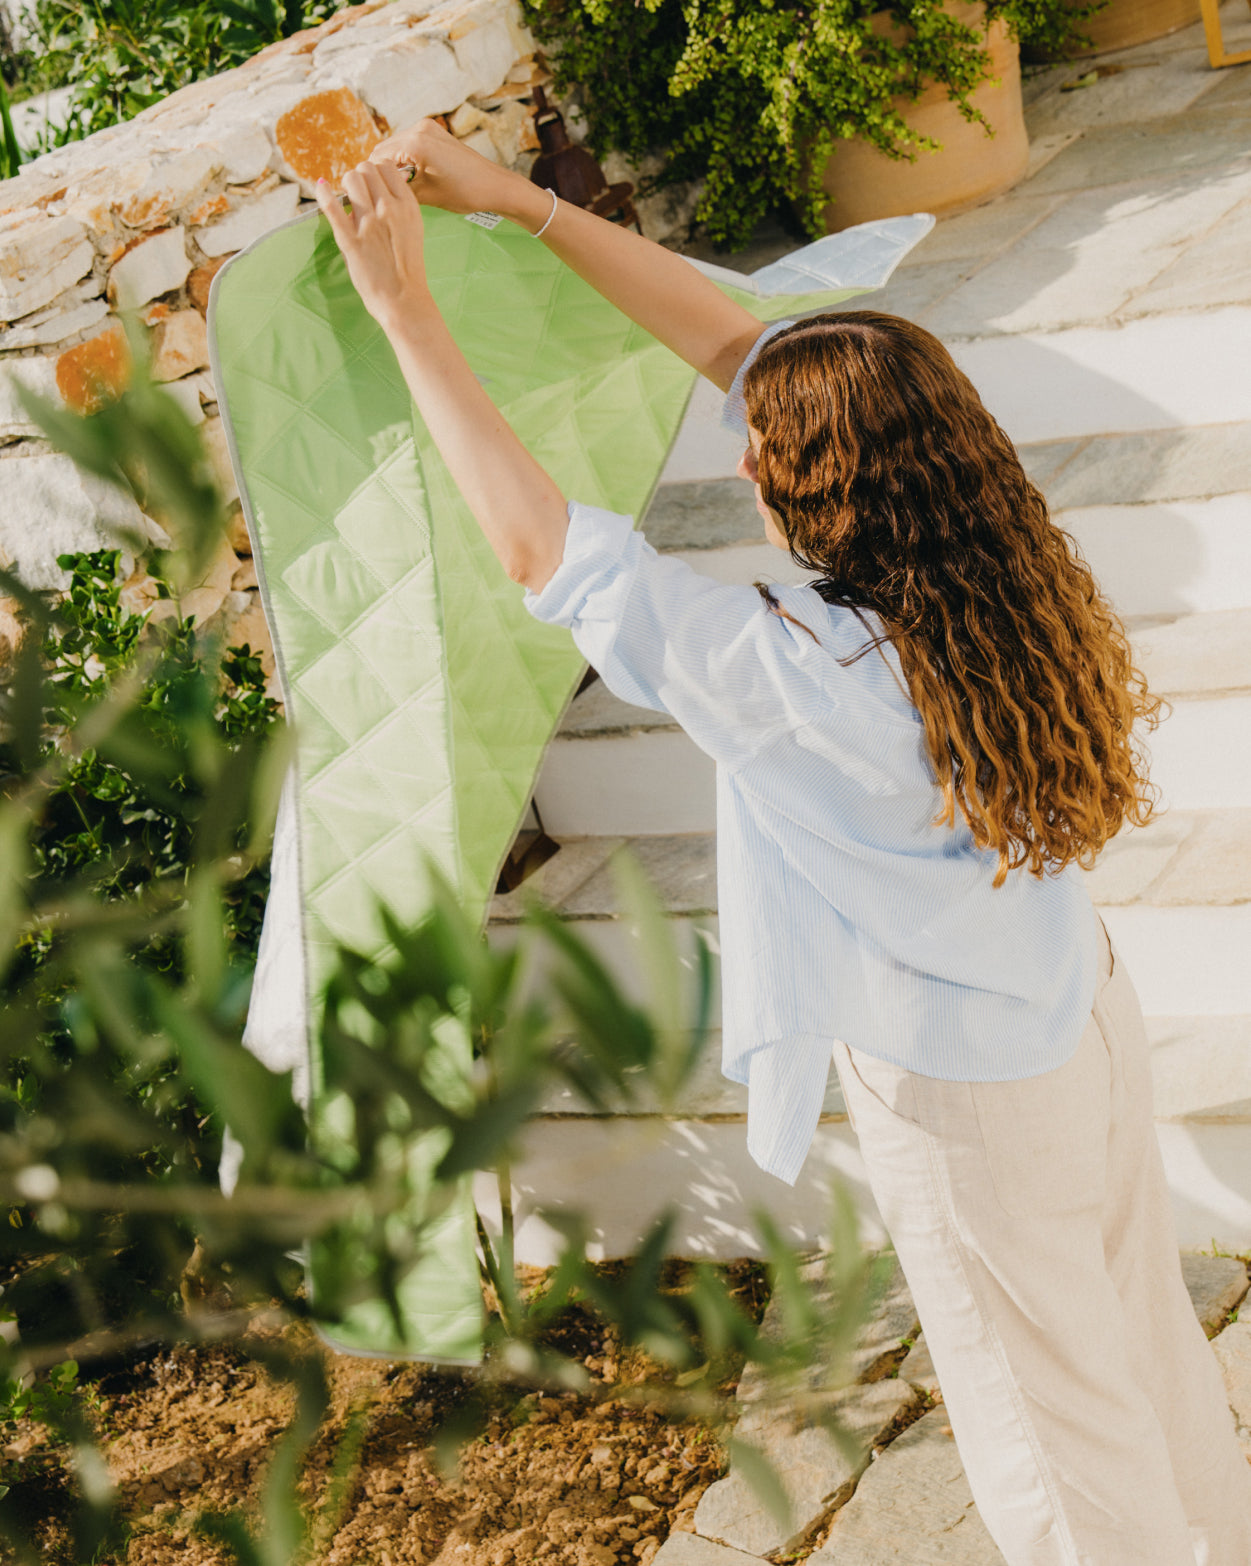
(517, 504)
(666, 295)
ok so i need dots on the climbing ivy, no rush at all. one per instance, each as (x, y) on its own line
(753, 96)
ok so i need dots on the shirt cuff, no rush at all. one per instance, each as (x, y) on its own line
(734, 414)
(595, 543)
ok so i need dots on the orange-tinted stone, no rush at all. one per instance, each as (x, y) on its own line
(155, 312)
(95, 372)
(326, 134)
(207, 209)
(199, 281)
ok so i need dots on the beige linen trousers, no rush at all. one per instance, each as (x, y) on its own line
(1033, 1223)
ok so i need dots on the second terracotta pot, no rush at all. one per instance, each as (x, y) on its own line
(1123, 23)
(863, 182)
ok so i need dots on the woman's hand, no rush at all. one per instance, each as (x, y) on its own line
(381, 239)
(448, 174)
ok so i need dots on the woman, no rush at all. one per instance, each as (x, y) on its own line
(914, 755)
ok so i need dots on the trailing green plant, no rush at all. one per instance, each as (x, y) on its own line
(753, 96)
(11, 155)
(122, 56)
(88, 1027)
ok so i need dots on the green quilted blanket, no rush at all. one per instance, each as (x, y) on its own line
(422, 693)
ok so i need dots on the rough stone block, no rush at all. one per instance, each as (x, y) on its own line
(53, 324)
(913, 1505)
(179, 345)
(199, 281)
(481, 141)
(249, 220)
(486, 54)
(1215, 1284)
(207, 210)
(815, 1473)
(35, 374)
(511, 129)
(154, 266)
(187, 396)
(210, 594)
(49, 507)
(323, 136)
(96, 371)
(688, 1549)
(244, 151)
(416, 76)
(169, 185)
(40, 257)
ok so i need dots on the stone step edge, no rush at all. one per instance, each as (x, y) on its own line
(591, 855)
(619, 720)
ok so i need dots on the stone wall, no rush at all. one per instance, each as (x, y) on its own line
(141, 215)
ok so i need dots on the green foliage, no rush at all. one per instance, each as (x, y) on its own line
(109, 815)
(121, 56)
(753, 96)
(10, 153)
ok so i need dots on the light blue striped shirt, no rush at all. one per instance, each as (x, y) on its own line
(844, 912)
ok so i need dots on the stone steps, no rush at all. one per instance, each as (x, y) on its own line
(1173, 895)
(620, 771)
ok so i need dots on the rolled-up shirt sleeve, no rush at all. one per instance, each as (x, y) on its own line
(733, 413)
(664, 636)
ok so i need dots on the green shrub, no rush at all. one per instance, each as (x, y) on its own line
(753, 96)
(121, 56)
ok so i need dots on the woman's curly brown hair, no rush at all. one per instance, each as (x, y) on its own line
(895, 484)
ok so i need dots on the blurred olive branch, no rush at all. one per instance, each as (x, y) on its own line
(124, 985)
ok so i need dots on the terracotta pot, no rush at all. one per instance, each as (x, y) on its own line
(1123, 23)
(863, 182)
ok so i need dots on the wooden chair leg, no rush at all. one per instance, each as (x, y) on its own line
(1217, 57)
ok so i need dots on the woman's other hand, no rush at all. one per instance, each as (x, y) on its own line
(448, 174)
(381, 238)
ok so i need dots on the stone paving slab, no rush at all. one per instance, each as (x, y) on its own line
(1164, 559)
(1201, 1068)
(978, 234)
(813, 1471)
(598, 711)
(1197, 653)
(1152, 373)
(1152, 465)
(1216, 1284)
(912, 1506)
(1220, 279)
(688, 1549)
(1148, 89)
(1175, 150)
(1091, 255)
(703, 514)
(1182, 859)
(682, 869)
